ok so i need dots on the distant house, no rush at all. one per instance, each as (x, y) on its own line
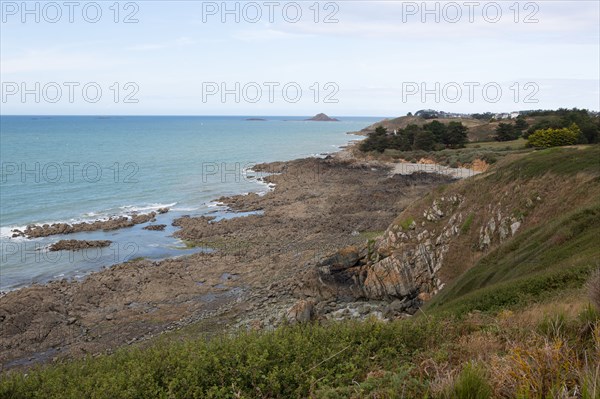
(513, 115)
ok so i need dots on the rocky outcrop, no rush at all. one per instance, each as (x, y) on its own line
(322, 118)
(156, 227)
(301, 312)
(75, 245)
(403, 266)
(113, 223)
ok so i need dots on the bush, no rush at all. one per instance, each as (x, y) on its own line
(555, 137)
(471, 384)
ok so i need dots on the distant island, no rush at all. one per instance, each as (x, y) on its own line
(256, 119)
(322, 118)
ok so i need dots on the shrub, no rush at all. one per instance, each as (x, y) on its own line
(471, 383)
(539, 371)
(555, 137)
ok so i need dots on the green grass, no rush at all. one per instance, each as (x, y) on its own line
(471, 384)
(406, 223)
(535, 265)
(358, 360)
(560, 161)
(518, 144)
(371, 235)
(466, 226)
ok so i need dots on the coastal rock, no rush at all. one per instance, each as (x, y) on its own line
(155, 227)
(75, 245)
(301, 312)
(113, 223)
(322, 118)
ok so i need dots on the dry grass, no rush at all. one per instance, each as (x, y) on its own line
(594, 289)
(537, 370)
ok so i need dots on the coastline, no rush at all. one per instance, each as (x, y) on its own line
(245, 274)
(246, 268)
(42, 235)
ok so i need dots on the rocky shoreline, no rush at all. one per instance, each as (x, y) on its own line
(112, 223)
(256, 271)
(75, 245)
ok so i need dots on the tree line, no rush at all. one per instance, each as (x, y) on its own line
(432, 136)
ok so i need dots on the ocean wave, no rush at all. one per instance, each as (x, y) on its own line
(150, 207)
(90, 217)
(7, 232)
(184, 209)
(215, 204)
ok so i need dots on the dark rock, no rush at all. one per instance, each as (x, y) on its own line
(322, 118)
(155, 227)
(75, 245)
(113, 223)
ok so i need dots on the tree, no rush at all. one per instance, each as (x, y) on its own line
(506, 132)
(589, 123)
(380, 131)
(424, 140)
(456, 135)
(521, 124)
(438, 129)
(376, 141)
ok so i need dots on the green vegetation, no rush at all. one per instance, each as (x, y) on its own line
(507, 132)
(406, 223)
(518, 144)
(536, 264)
(405, 358)
(371, 235)
(560, 161)
(588, 124)
(433, 136)
(511, 131)
(472, 383)
(518, 324)
(555, 137)
(466, 226)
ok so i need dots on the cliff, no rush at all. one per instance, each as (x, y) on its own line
(533, 216)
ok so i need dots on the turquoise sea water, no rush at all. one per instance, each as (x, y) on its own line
(74, 168)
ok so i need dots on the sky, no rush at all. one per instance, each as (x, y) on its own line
(344, 58)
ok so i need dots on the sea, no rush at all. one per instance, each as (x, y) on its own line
(85, 168)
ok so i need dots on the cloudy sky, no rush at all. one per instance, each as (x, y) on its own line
(297, 58)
